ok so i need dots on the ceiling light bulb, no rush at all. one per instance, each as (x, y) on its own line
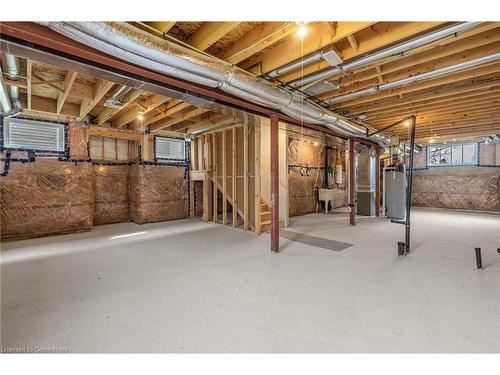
(302, 31)
(140, 116)
(407, 123)
(316, 144)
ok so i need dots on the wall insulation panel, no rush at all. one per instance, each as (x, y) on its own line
(46, 197)
(111, 194)
(475, 192)
(158, 193)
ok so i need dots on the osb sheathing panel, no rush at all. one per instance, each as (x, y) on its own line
(198, 198)
(111, 184)
(487, 154)
(479, 192)
(158, 193)
(420, 159)
(77, 142)
(46, 197)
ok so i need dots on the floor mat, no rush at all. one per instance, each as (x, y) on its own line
(314, 241)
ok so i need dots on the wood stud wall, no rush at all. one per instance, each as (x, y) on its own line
(228, 163)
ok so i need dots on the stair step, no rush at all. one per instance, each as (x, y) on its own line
(265, 216)
(265, 226)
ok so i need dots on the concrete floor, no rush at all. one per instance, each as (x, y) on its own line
(186, 286)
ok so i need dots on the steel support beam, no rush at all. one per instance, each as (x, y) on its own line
(42, 38)
(275, 199)
(352, 179)
(377, 180)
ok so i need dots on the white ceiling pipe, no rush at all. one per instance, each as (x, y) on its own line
(399, 49)
(419, 77)
(141, 48)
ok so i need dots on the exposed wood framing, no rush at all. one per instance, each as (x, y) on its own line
(381, 35)
(209, 33)
(353, 42)
(224, 178)
(29, 73)
(107, 113)
(257, 40)
(68, 84)
(100, 89)
(163, 26)
(319, 35)
(43, 81)
(112, 133)
(215, 176)
(245, 177)
(186, 115)
(233, 177)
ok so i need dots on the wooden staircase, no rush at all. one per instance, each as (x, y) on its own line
(231, 202)
(265, 217)
(265, 211)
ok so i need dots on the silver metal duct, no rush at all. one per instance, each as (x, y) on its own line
(12, 72)
(115, 100)
(399, 49)
(141, 48)
(4, 95)
(11, 106)
(416, 78)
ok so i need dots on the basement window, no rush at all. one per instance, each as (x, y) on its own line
(24, 134)
(450, 155)
(170, 148)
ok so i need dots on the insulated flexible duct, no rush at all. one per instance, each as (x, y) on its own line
(141, 48)
(4, 95)
(10, 106)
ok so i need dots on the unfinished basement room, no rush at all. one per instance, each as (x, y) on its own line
(250, 187)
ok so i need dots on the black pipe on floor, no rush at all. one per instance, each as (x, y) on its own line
(479, 261)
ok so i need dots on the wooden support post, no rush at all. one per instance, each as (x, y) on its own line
(29, 71)
(352, 179)
(233, 178)
(257, 177)
(200, 163)
(191, 199)
(224, 178)
(215, 177)
(377, 180)
(275, 220)
(245, 177)
(205, 199)
(193, 154)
